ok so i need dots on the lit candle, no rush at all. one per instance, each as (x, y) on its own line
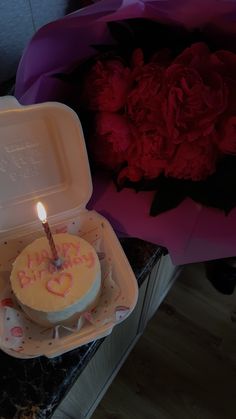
(43, 218)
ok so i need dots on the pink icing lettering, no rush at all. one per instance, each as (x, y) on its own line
(68, 263)
(24, 279)
(77, 260)
(60, 285)
(38, 274)
(65, 248)
(76, 247)
(90, 259)
(44, 255)
(51, 268)
(35, 275)
(30, 260)
(41, 272)
(37, 258)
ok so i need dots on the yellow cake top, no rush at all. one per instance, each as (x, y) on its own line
(38, 284)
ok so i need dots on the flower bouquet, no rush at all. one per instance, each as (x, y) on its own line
(161, 120)
(154, 86)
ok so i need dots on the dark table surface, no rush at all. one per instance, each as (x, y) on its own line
(33, 388)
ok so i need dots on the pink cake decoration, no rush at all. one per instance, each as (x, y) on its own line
(61, 284)
(24, 279)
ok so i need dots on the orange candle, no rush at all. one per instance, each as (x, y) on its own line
(42, 214)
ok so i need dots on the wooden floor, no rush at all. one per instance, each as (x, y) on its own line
(184, 366)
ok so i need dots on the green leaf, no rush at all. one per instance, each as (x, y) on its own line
(219, 190)
(169, 194)
(121, 32)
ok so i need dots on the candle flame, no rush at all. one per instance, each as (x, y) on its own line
(41, 212)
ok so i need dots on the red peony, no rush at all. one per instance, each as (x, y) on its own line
(227, 144)
(194, 95)
(143, 104)
(148, 158)
(106, 86)
(197, 56)
(225, 62)
(195, 161)
(162, 117)
(112, 138)
(137, 60)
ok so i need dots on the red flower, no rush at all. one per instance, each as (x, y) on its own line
(225, 62)
(106, 86)
(143, 104)
(148, 158)
(197, 56)
(228, 139)
(162, 57)
(137, 59)
(113, 135)
(191, 104)
(195, 161)
(171, 113)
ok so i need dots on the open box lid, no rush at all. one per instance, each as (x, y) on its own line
(43, 157)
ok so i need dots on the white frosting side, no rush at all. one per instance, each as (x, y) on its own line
(49, 295)
(68, 314)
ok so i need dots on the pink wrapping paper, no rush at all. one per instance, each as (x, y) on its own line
(191, 232)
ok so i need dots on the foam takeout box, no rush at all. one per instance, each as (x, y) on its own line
(43, 157)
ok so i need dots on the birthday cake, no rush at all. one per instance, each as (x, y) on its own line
(51, 295)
